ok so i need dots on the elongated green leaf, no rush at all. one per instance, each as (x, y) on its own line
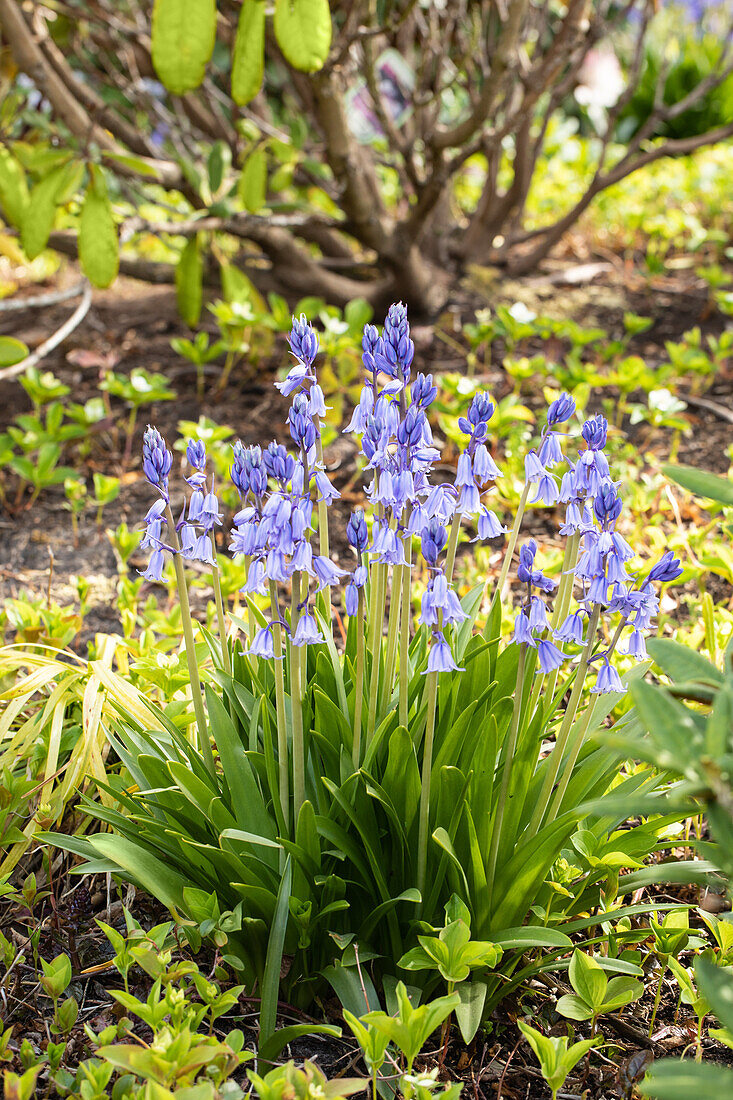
(183, 40)
(684, 870)
(247, 802)
(270, 1049)
(469, 1012)
(252, 187)
(153, 875)
(273, 962)
(529, 936)
(12, 351)
(303, 32)
(248, 58)
(682, 663)
(354, 990)
(13, 188)
(674, 1079)
(40, 212)
(716, 985)
(670, 724)
(701, 483)
(189, 282)
(98, 244)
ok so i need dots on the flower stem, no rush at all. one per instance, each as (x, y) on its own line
(404, 702)
(545, 684)
(657, 998)
(555, 758)
(359, 696)
(580, 738)
(431, 691)
(323, 540)
(513, 536)
(221, 618)
(296, 703)
(450, 554)
(282, 729)
(190, 643)
(392, 632)
(511, 744)
(376, 623)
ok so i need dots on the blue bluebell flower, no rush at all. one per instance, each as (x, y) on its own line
(278, 463)
(327, 491)
(538, 614)
(302, 557)
(294, 380)
(356, 531)
(547, 490)
(316, 401)
(261, 644)
(423, 392)
(560, 410)
(607, 680)
(434, 538)
(549, 657)
(440, 604)
(667, 569)
(572, 629)
(300, 422)
(635, 645)
(522, 632)
(256, 578)
(395, 352)
(489, 526)
(306, 630)
(303, 340)
(325, 572)
(196, 455)
(156, 565)
(440, 658)
(157, 460)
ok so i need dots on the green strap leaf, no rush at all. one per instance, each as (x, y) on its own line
(248, 57)
(40, 212)
(189, 282)
(99, 250)
(153, 874)
(183, 35)
(270, 1049)
(13, 188)
(682, 664)
(303, 32)
(252, 187)
(273, 962)
(673, 1079)
(701, 483)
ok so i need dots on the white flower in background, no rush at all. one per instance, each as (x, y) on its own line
(600, 84)
(521, 314)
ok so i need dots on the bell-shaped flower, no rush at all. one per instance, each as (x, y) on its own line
(607, 680)
(440, 658)
(549, 657)
(306, 630)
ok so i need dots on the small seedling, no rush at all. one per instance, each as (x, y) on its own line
(556, 1059)
(594, 993)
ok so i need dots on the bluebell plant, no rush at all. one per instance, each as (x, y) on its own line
(364, 751)
(281, 531)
